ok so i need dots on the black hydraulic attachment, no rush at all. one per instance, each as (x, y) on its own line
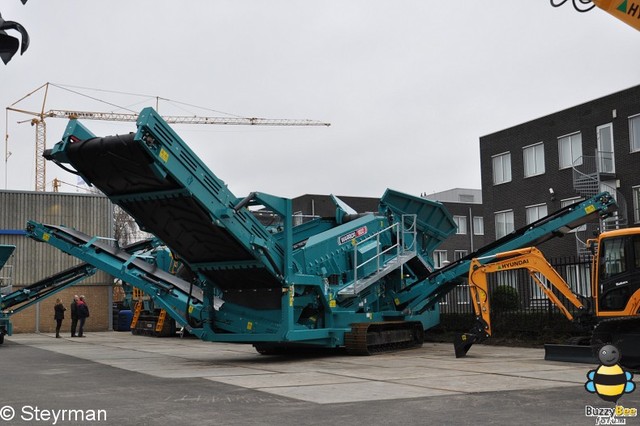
(477, 334)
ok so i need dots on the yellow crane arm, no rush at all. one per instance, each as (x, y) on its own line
(627, 11)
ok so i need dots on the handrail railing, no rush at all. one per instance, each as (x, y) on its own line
(592, 174)
(404, 229)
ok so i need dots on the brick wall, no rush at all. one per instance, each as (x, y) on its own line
(96, 296)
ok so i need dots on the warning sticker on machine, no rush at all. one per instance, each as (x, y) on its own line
(351, 235)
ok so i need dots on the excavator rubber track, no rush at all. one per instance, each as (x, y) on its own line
(623, 333)
(387, 336)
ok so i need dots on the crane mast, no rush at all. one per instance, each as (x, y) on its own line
(41, 145)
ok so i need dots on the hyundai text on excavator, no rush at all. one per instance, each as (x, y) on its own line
(364, 281)
(610, 313)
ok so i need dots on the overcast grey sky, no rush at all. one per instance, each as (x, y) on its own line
(409, 86)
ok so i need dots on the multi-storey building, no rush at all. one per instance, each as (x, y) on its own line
(465, 205)
(538, 167)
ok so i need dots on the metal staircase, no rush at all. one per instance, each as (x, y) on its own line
(591, 176)
(386, 259)
(586, 178)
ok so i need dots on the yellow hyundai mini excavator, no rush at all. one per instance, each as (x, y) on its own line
(614, 303)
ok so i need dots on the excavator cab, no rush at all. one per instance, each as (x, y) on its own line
(616, 273)
(615, 286)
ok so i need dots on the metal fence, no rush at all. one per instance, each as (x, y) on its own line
(530, 298)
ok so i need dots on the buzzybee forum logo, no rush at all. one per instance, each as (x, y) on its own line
(610, 381)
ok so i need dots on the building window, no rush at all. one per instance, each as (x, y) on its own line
(569, 201)
(533, 157)
(536, 212)
(440, 258)
(606, 159)
(501, 168)
(634, 132)
(478, 225)
(636, 203)
(461, 223)
(570, 150)
(504, 223)
(459, 254)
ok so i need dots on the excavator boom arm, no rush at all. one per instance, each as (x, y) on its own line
(542, 273)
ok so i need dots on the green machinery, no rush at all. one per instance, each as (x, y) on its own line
(137, 311)
(15, 301)
(363, 281)
(18, 300)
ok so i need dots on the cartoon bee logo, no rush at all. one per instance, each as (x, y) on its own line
(609, 381)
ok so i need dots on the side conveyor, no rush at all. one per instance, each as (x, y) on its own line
(182, 300)
(45, 287)
(425, 294)
(18, 300)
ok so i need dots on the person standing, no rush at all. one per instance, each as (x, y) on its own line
(58, 315)
(83, 314)
(74, 315)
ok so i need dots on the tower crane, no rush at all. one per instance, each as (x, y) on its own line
(38, 121)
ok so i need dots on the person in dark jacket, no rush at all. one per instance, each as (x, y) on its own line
(58, 315)
(83, 314)
(74, 315)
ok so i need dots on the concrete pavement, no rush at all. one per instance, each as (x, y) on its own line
(145, 380)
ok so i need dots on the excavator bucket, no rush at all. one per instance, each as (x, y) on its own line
(463, 342)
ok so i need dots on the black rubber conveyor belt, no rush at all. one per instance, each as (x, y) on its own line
(121, 168)
(151, 270)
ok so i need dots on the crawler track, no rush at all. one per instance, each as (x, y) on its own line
(377, 337)
(623, 333)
